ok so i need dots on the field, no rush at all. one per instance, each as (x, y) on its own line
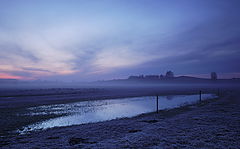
(146, 130)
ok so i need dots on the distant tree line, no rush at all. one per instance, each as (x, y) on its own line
(169, 74)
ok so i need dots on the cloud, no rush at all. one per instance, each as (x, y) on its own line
(33, 51)
(121, 56)
(102, 40)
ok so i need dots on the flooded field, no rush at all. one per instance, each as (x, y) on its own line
(102, 110)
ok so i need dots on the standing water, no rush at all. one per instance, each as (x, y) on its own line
(102, 110)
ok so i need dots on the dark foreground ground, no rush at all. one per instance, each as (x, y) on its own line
(210, 124)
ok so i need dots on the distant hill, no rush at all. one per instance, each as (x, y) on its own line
(173, 80)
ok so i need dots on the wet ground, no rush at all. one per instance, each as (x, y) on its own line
(103, 110)
(209, 124)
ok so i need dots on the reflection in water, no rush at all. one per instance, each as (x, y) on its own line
(102, 110)
(170, 97)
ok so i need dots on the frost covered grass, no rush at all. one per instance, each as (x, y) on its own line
(210, 124)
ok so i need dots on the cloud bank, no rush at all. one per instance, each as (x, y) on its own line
(95, 40)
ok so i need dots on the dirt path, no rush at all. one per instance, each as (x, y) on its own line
(212, 124)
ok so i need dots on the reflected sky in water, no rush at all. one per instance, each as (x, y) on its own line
(102, 110)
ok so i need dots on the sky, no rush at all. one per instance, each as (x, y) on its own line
(88, 40)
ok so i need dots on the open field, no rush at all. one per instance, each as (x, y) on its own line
(123, 132)
(14, 102)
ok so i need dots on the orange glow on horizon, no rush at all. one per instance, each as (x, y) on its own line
(8, 76)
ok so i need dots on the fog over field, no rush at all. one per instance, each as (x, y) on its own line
(119, 74)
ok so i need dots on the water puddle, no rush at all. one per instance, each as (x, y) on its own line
(102, 110)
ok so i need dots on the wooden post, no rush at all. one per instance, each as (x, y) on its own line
(157, 103)
(200, 96)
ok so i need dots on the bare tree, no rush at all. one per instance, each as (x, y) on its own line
(169, 74)
(214, 76)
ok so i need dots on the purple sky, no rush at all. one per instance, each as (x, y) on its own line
(94, 40)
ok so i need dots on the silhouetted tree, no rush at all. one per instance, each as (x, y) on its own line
(169, 74)
(161, 76)
(214, 76)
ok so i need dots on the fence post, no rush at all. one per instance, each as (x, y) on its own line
(200, 96)
(157, 104)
